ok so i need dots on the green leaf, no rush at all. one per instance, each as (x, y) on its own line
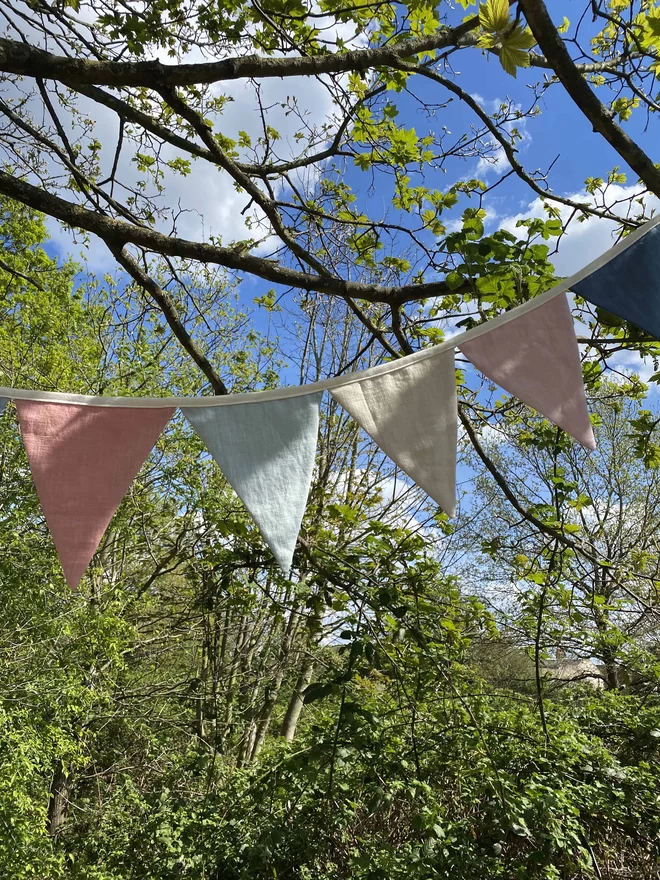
(519, 38)
(316, 691)
(494, 15)
(553, 227)
(453, 280)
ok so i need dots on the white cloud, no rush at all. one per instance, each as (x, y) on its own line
(495, 163)
(583, 242)
(207, 199)
(632, 361)
(206, 202)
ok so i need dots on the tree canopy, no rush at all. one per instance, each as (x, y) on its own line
(158, 80)
(279, 192)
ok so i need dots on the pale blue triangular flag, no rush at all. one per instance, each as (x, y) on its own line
(266, 451)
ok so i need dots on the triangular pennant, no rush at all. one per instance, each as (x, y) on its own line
(628, 285)
(83, 461)
(536, 358)
(267, 452)
(410, 412)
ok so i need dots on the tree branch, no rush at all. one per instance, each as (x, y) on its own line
(169, 310)
(117, 233)
(601, 118)
(267, 205)
(509, 149)
(24, 60)
(544, 528)
(131, 114)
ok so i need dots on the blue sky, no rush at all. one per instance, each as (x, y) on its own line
(560, 130)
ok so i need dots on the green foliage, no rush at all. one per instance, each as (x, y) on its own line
(152, 705)
(510, 39)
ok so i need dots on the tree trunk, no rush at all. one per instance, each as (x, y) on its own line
(296, 703)
(200, 699)
(265, 716)
(58, 802)
(273, 689)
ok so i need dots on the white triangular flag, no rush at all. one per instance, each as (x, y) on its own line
(266, 451)
(410, 412)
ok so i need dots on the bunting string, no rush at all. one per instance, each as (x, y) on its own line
(85, 451)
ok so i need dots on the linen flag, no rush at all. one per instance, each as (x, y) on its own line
(267, 452)
(83, 461)
(535, 357)
(410, 412)
(628, 285)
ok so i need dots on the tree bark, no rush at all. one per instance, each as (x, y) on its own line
(296, 703)
(25, 60)
(273, 689)
(117, 233)
(58, 803)
(600, 116)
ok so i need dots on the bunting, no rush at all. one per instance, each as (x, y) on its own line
(84, 452)
(628, 284)
(411, 414)
(536, 358)
(267, 454)
(83, 461)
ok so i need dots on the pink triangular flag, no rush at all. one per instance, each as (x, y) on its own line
(83, 461)
(535, 357)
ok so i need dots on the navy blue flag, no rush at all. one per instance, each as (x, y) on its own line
(628, 285)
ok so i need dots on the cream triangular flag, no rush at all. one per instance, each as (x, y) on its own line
(410, 412)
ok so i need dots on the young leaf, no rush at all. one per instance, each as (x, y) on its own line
(494, 15)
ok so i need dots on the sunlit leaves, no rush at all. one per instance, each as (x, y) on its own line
(498, 269)
(636, 33)
(180, 166)
(513, 50)
(494, 15)
(647, 29)
(423, 21)
(511, 40)
(623, 107)
(404, 146)
(643, 434)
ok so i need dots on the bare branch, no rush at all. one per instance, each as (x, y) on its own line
(117, 233)
(509, 150)
(554, 49)
(24, 60)
(167, 307)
